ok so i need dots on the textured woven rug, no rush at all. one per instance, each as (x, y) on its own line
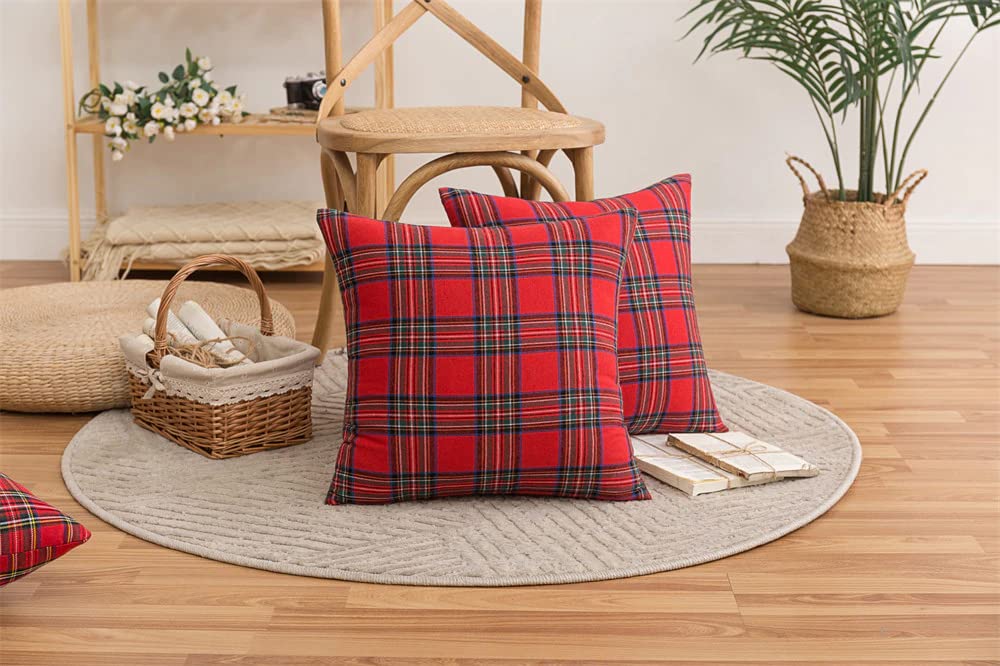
(266, 510)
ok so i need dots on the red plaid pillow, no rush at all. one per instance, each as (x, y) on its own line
(661, 365)
(481, 361)
(31, 532)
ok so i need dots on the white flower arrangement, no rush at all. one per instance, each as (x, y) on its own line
(188, 98)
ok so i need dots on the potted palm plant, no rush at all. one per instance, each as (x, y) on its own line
(850, 257)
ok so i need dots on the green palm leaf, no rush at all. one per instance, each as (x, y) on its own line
(841, 52)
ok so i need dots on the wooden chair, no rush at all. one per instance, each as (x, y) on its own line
(522, 138)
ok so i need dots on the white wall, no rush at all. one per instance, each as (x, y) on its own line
(727, 122)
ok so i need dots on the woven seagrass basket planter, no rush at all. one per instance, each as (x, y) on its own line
(850, 259)
(223, 412)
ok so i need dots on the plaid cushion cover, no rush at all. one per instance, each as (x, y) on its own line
(481, 361)
(661, 365)
(32, 532)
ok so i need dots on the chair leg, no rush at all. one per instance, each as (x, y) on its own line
(583, 171)
(533, 188)
(367, 184)
(327, 305)
(324, 319)
(386, 185)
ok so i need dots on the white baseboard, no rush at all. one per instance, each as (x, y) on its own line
(38, 233)
(41, 234)
(763, 242)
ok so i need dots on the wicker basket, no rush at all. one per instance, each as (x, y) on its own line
(223, 412)
(850, 259)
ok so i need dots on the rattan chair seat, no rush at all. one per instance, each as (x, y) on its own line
(60, 341)
(454, 128)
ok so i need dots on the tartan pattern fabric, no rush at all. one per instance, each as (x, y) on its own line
(661, 365)
(481, 361)
(32, 532)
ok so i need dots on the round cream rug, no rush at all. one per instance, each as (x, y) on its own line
(267, 510)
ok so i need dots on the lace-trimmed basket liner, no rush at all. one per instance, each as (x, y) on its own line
(223, 412)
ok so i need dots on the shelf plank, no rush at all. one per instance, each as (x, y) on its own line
(256, 124)
(315, 267)
(252, 125)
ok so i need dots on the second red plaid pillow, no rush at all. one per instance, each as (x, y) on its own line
(481, 361)
(662, 368)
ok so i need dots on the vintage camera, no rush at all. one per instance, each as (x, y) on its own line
(305, 92)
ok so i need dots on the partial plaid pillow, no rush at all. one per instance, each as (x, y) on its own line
(32, 532)
(661, 365)
(481, 361)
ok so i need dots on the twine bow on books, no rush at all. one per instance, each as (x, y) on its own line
(751, 450)
(689, 457)
(754, 450)
(695, 464)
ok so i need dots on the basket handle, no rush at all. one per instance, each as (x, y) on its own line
(919, 174)
(160, 334)
(802, 181)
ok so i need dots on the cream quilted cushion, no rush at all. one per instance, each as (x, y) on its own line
(216, 222)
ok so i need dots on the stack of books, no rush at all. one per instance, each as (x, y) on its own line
(699, 463)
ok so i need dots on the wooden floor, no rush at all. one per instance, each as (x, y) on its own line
(906, 568)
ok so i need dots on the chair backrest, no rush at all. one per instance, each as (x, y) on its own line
(524, 71)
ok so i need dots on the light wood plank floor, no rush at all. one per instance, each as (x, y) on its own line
(906, 568)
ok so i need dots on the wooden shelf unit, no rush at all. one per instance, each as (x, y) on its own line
(254, 125)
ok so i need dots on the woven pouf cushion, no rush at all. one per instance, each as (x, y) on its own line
(60, 341)
(267, 510)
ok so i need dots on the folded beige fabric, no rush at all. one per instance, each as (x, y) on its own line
(269, 235)
(216, 222)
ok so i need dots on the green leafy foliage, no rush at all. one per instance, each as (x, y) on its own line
(860, 56)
